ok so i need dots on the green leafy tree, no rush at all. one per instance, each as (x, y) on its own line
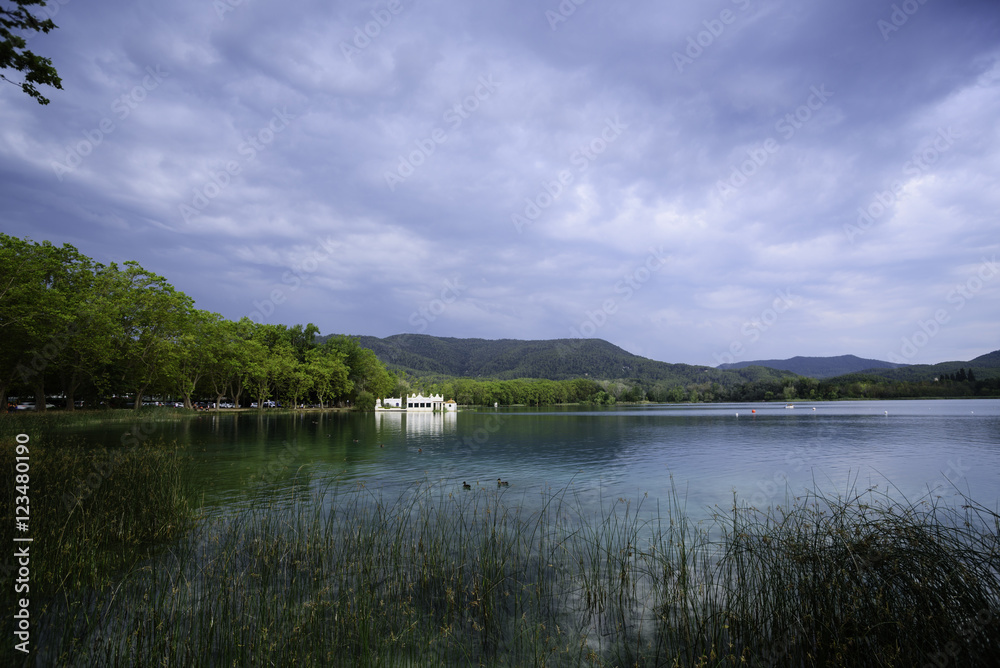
(87, 356)
(367, 372)
(226, 356)
(297, 382)
(39, 305)
(15, 19)
(256, 370)
(152, 317)
(330, 375)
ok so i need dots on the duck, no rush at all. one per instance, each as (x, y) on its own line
(466, 485)
(502, 483)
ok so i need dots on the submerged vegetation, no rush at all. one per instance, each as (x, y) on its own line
(335, 573)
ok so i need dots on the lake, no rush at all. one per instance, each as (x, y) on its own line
(705, 452)
(585, 540)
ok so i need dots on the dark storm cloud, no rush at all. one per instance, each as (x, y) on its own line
(656, 175)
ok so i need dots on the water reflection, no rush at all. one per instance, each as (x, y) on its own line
(705, 452)
(420, 424)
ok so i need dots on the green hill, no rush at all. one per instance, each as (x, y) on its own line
(422, 355)
(985, 367)
(818, 367)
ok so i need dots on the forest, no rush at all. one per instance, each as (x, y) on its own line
(86, 334)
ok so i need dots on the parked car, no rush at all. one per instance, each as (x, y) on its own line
(30, 406)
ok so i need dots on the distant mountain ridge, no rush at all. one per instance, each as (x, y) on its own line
(554, 359)
(985, 366)
(818, 367)
(422, 355)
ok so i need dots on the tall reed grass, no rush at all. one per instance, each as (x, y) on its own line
(435, 575)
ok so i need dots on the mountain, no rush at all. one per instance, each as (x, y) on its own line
(818, 367)
(555, 359)
(985, 367)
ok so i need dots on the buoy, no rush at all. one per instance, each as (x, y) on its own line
(754, 410)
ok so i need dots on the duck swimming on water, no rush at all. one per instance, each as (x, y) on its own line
(466, 485)
(502, 483)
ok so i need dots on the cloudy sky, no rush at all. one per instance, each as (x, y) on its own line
(696, 182)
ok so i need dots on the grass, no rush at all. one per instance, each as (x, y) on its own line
(94, 510)
(32, 423)
(320, 573)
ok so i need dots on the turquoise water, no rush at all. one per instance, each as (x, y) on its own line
(704, 452)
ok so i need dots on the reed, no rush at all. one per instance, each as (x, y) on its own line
(94, 510)
(311, 573)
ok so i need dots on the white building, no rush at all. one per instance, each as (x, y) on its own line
(416, 403)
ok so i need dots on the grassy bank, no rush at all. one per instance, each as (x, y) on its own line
(443, 576)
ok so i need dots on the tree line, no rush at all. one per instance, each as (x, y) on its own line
(74, 328)
(78, 329)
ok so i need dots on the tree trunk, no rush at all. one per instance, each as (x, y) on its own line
(39, 394)
(74, 382)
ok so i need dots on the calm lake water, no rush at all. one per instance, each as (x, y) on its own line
(706, 452)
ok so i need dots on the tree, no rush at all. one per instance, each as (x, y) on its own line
(367, 373)
(14, 54)
(256, 372)
(151, 316)
(226, 357)
(330, 376)
(89, 350)
(40, 287)
(198, 349)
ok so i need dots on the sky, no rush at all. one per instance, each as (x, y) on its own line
(696, 182)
